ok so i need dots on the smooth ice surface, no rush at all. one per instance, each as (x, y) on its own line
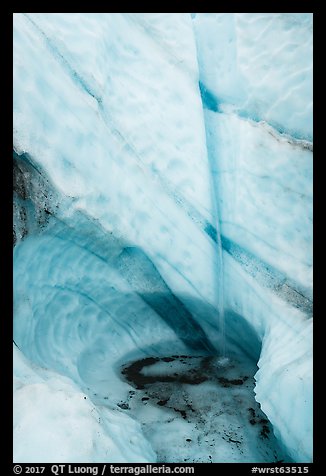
(261, 65)
(142, 143)
(55, 422)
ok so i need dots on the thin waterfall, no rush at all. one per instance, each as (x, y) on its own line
(210, 103)
(220, 284)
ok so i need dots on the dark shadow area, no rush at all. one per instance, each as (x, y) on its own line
(209, 99)
(34, 198)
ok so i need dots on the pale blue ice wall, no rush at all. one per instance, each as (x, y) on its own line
(108, 111)
(256, 85)
(108, 126)
(147, 152)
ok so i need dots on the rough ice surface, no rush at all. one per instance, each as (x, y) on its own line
(141, 143)
(192, 408)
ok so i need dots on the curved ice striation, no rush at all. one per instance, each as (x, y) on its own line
(137, 137)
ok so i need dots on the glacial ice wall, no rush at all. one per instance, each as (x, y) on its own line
(256, 84)
(102, 147)
(137, 137)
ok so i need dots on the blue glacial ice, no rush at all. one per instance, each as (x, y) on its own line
(162, 182)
